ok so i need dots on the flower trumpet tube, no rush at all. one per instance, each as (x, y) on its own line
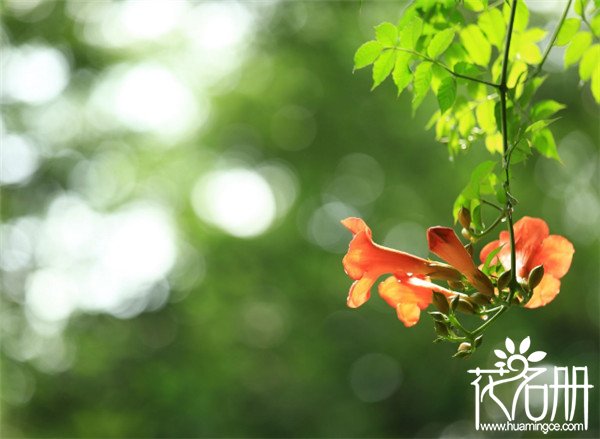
(409, 295)
(534, 246)
(366, 261)
(444, 243)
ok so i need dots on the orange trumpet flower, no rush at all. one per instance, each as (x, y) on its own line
(409, 295)
(444, 243)
(408, 291)
(535, 246)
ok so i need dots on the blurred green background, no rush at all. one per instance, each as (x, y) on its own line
(173, 177)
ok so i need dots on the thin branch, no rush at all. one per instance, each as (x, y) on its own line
(495, 206)
(448, 69)
(506, 157)
(488, 322)
(491, 227)
(552, 39)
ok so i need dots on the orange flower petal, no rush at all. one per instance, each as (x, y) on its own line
(529, 235)
(485, 251)
(556, 254)
(408, 313)
(545, 292)
(360, 291)
(444, 243)
(404, 291)
(356, 225)
(365, 256)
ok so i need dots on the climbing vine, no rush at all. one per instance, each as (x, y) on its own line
(484, 63)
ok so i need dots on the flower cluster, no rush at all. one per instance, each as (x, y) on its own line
(541, 260)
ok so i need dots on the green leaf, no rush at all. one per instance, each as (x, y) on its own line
(579, 6)
(596, 85)
(477, 45)
(517, 74)
(520, 153)
(581, 41)
(544, 142)
(534, 35)
(544, 109)
(531, 87)
(482, 181)
(491, 255)
(493, 143)
(539, 125)
(529, 52)
(367, 54)
(440, 42)
(466, 121)
(485, 116)
(422, 82)
(569, 28)
(596, 24)
(410, 34)
(387, 34)
(521, 15)
(475, 5)
(589, 61)
(455, 54)
(402, 75)
(383, 67)
(446, 94)
(493, 25)
(468, 69)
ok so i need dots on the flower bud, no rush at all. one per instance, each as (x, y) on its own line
(464, 350)
(464, 217)
(465, 306)
(441, 303)
(466, 234)
(440, 329)
(469, 249)
(504, 280)
(454, 303)
(456, 285)
(438, 316)
(478, 341)
(480, 299)
(535, 277)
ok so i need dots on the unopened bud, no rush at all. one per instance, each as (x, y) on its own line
(466, 234)
(440, 329)
(465, 306)
(480, 299)
(464, 347)
(482, 283)
(478, 341)
(455, 285)
(469, 249)
(438, 316)
(504, 280)
(441, 303)
(454, 303)
(535, 277)
(464, 217)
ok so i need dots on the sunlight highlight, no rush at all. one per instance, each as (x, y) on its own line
(238, 201)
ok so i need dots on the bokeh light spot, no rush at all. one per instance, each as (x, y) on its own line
(239, 201)
(375, 377)
(35, 74)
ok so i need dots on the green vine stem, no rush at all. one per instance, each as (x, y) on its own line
(445, 67)
(506, 157)
(552, 39)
